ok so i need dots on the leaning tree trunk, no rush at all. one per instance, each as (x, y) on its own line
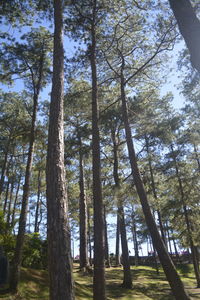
(99, 292)
(189, 26)
(167, 264)
(58, 233)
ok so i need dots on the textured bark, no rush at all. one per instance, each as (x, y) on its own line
(84, 263)
(99, 241)
(189, 26)
(58, 233)
(167, 264)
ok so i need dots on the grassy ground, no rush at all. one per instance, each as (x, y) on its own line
(147, 285)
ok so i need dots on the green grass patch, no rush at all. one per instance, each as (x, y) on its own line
(147, 285)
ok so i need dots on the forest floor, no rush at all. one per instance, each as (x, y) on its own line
(147, 285)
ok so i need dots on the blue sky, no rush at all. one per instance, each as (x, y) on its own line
(173, 79)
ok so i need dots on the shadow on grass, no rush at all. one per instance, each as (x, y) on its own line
(83, 291)
(37, 282)
(33, 285)
(148, 273)
(147, 284)
(186, 270)
(115, 291)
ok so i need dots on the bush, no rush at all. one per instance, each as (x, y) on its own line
(35, 252)
(7, 239)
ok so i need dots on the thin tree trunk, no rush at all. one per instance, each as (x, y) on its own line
(117, 253)
(58, 233)
(197, 253)
(175, 248)
(15, 203)
(127, 281)
(167, 264)
(187, 221)
(153, 186)
(38, 204)
(83, 222)
(135, 241)
(23, 215)
(6, 197)
(156, 263)
(169, 239)
(116, 178)
(14, 278)
(10, 201)
(5, 162)
(40, 213)
(147, 245)
(99, 292)
(196, 156)
(107, 256)
(15, 274)
(89, 237)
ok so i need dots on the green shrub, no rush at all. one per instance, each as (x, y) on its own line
(34, 252)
